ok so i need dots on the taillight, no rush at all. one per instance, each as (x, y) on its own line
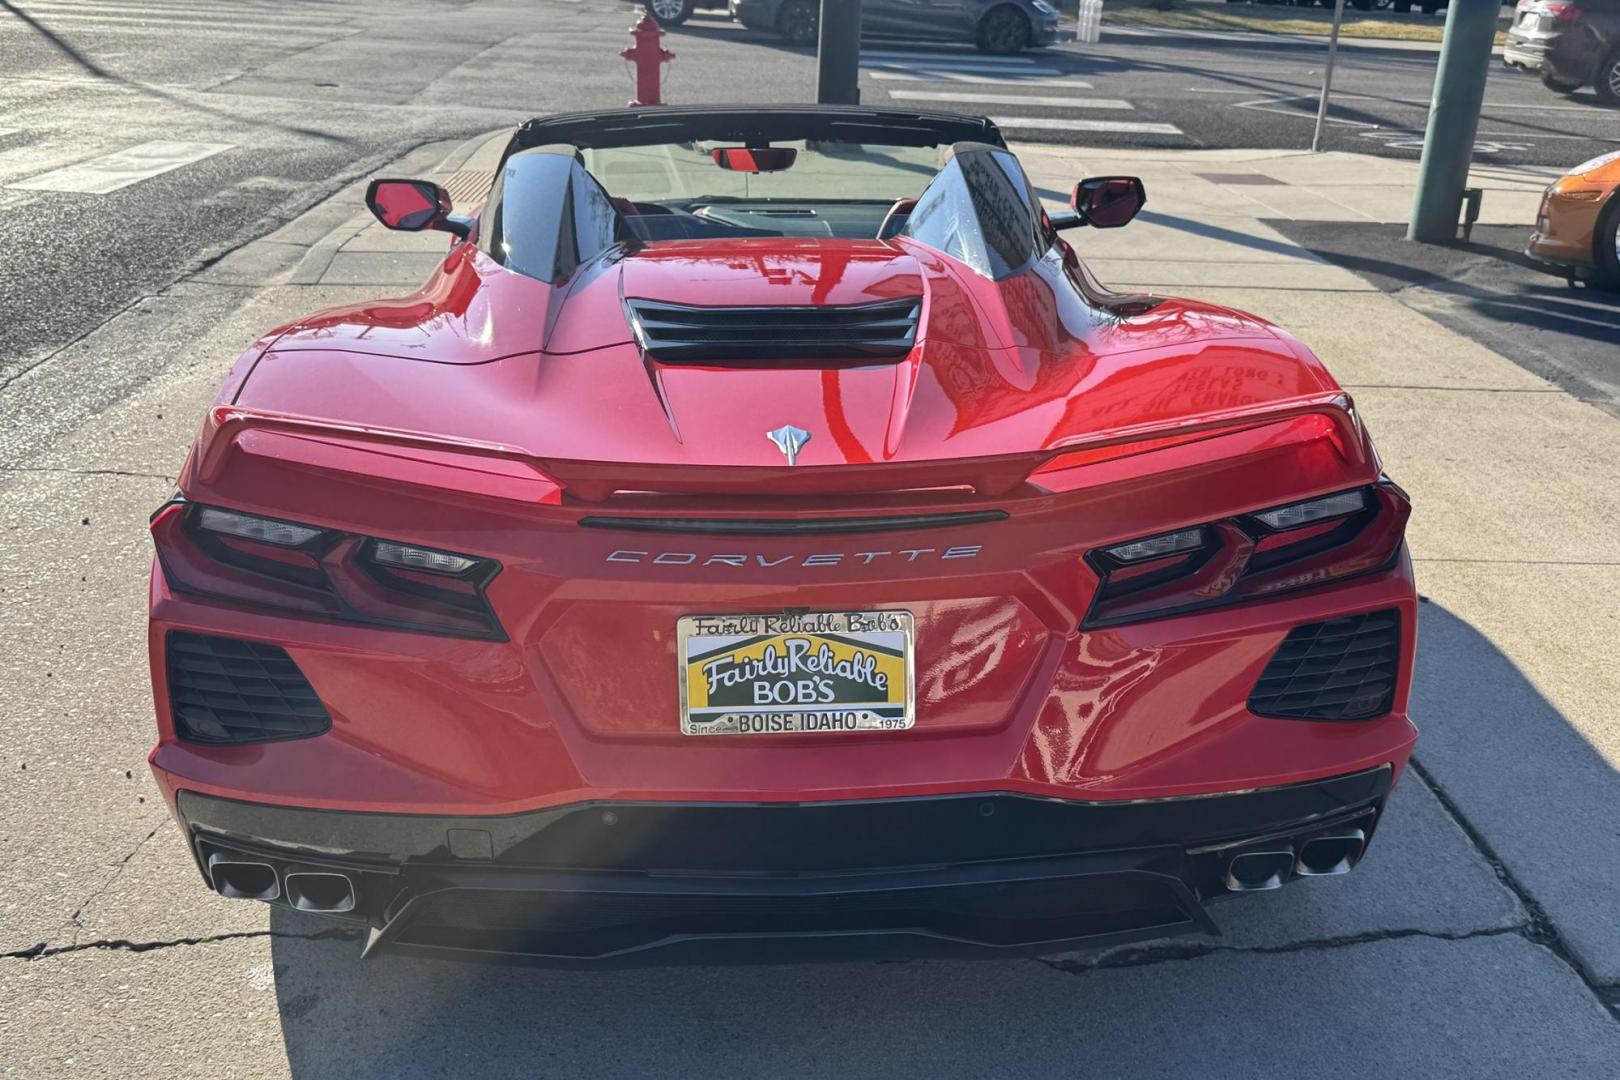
(288, 567)
(1563, 13)
(1271, 551)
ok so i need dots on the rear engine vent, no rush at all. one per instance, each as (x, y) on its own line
(1344, 669)
(676, 334)
(225, 690)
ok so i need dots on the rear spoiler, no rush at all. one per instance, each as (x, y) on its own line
(596, 481)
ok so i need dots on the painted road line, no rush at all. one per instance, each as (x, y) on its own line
(1040, 123)
(976, 69)
(958, 77)
(153, 11)
(110, 172)
(1012, 99)
(246, 24)
(55, 7)
(944, 58)
(990, 74)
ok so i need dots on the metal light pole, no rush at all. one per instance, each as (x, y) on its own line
(1327, 77)
(838, 53)
(1448, 144)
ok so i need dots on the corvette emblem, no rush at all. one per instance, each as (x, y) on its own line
(790, 440)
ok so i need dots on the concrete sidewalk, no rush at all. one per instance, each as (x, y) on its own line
(1476, 941)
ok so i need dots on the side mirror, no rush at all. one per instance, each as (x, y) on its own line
(1107, 202)
(752, 159)
(413, 205)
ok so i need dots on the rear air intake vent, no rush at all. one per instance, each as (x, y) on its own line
(1339, 670)
(675, 334)
(224, 690)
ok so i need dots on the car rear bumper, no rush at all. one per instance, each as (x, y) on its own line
(609, 882)
(1524, 54)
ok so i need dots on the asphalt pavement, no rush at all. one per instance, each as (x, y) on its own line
(1180, 90)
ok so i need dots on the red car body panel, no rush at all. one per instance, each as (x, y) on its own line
(1186, 362)
(492, 414)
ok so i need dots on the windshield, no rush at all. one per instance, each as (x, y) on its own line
(677, 191)
(821, 172)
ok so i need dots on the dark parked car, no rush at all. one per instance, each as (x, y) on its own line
(675, 12)
(997, 26)
(1571, 43)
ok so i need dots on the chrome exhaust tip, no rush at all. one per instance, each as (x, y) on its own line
(1335, 853)
(323, 891)
(1257, 871)
(241, 879)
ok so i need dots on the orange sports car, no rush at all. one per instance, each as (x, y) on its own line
(1578, 225)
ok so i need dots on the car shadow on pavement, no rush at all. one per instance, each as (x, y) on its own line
(397, 1016)
(1488, 290)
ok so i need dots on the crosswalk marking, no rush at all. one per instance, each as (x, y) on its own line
(48, 9)
(1029, 83)
(100, 175)
(1011, 99)
(996, 80)
(188, 23)
(1050, 123)
(890, 65)
(943, 57)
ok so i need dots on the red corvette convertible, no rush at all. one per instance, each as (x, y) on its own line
(763, 532)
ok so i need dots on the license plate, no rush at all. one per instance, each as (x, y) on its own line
(795, 672)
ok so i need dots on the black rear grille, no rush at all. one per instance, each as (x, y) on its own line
(676, 333)
(225, 690)
(1344, 669)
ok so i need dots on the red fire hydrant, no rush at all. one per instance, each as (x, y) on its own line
(649, 58)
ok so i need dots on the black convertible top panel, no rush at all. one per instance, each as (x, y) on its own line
(657, 124)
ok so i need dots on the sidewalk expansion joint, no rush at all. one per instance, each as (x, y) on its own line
(1540, 930)
(42, 951)
(1133, 956)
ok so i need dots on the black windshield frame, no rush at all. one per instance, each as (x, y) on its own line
(751, 125)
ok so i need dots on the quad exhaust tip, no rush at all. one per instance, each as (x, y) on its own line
(240, 879)
(309, 890)
(1257, 871)
(1336, 853)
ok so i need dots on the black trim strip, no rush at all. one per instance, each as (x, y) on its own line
(791, 526)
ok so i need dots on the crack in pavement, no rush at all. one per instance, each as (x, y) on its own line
(1149, 955)
(1540, 930)
(99, 890)
(63, 471)
(42, 951)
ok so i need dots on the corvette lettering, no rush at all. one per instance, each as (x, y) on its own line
(830, 558)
